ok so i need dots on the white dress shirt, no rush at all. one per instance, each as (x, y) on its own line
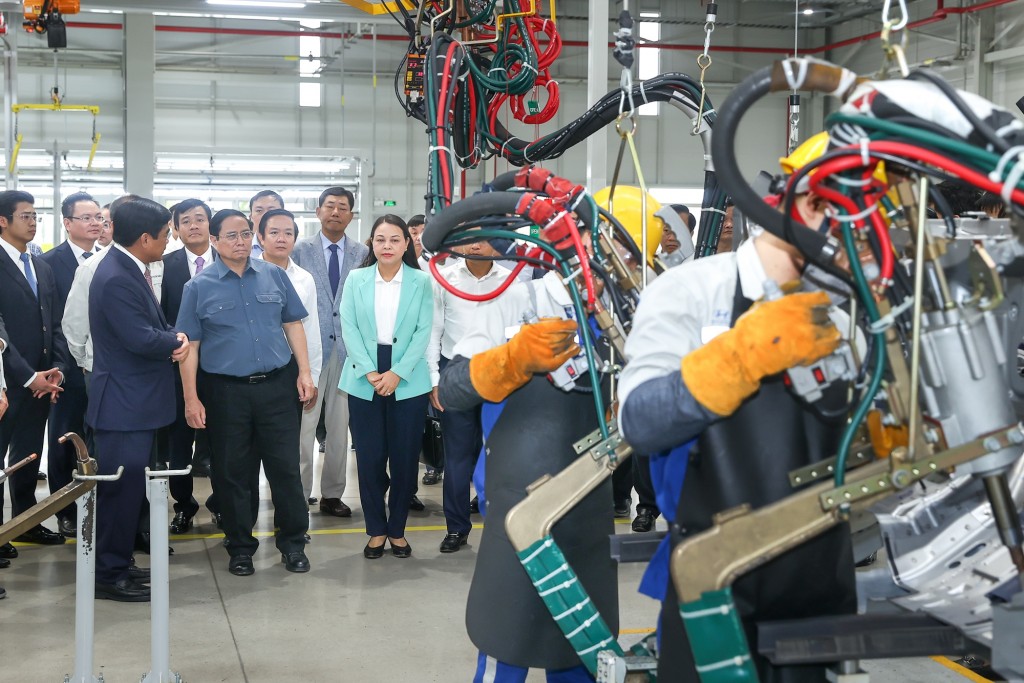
(3, 380)
(15, 256)
(325, 244)
(78, 252)
(455, 316)
(191, 258)
(305, 286)
(387, 296)
(173, 244)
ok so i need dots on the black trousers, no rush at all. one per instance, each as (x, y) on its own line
(66, 415)
(119, 504)
(250, 424)
(462, 434)
(180, 439)
(387, 434)
(21, 435)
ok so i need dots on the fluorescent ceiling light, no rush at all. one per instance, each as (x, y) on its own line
(808, 11)
(257, 4)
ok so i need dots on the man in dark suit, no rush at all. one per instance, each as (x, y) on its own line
(83, 220)
(132, 387)
(36, 358)
(192, 220)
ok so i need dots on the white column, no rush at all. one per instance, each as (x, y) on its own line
(597, 87)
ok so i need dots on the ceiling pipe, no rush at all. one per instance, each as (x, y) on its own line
(940, 13)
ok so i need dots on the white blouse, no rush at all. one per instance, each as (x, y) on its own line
(385, 304)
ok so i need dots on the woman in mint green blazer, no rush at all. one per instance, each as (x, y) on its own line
(386, 313)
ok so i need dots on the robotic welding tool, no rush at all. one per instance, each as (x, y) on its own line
(941, 393)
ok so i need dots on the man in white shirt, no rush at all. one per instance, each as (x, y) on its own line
(75, 322)
(262, 202)
(461, 430)
(277, 236)
(83, 221)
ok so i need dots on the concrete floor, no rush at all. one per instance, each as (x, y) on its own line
(349, 619)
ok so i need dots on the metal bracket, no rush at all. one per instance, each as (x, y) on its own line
(826, 468)
(551, 497)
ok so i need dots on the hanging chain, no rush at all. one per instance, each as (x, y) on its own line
(704, 61)
(895, 52)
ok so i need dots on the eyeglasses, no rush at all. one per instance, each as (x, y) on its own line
(98, 218)
(232, 236)
(33, 217)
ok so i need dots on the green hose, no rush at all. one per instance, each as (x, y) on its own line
(877, 349)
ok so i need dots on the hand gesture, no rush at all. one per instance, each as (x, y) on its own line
(195, 413)
(181, 353)
(387, 383)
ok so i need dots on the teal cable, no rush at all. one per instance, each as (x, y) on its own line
(878, 351)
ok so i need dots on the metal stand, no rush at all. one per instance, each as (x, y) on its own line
(160, 598)
(85, 579)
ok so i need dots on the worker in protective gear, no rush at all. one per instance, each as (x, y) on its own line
(530, 426)
(703, 388)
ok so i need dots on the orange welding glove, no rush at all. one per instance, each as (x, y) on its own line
(771, 337)
(541, 347)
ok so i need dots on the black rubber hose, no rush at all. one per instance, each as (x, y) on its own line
(470, 208)
(816, 246)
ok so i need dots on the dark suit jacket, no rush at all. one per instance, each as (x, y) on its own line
(132, 385)
(33, 325)
(176, 274)
(62, 261)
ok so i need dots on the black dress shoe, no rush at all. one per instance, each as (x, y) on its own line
(453, 542)
(431, 477)
(218, 519)
(334, 507)
(373, 553)
(622, 510)
(416, 504)
(4, 564)
(181, 523)
(241, 565)
(295, 562)
(8, 551)
(644, 520)
(41, 476)
(67, 527)
(401, 550)
(474, 506)
(142, 543)
(41, 535)
(138, 574)
(311, 500)
(125, 590)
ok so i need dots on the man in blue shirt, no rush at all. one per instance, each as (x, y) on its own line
(244, 318)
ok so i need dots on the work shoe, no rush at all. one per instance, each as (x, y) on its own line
(452, 543)
(125, 590)
(295, 562)
(241, 565)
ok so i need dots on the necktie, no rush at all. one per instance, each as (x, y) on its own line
(199, 264)
(149, 281)
(28, 274)
(334, 270)
(86, 254)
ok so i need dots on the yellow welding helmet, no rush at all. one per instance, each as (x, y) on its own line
(628, 210)
(808, 150)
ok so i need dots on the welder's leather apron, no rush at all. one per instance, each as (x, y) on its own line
(746, 458)
(505, 617)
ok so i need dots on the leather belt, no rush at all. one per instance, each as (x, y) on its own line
(250, 379)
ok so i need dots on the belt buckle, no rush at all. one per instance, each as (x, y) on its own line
(256, 379)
